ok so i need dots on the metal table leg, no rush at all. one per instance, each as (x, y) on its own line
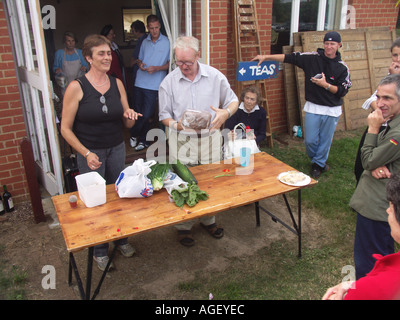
(296, 229)
(73, 267)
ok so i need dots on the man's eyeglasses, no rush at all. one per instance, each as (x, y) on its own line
(103, 101)
(181, 63)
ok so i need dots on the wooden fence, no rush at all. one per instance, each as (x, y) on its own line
(367, 54)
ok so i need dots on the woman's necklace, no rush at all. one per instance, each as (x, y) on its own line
(99, 85)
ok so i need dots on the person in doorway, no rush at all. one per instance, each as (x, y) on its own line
(327, 82)
(69, 63)
(381, 148)
(383, 282)
(200, 88)
(250, 114)
(117, 65)
(154, 56)
(370, 103)
(139, 30)
(95, 110)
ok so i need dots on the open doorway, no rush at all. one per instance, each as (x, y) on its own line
(83, 18)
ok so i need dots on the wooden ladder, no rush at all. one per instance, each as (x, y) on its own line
(247, 46)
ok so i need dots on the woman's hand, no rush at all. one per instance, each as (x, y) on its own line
(394, 68)
(93, 161)
(132, 114)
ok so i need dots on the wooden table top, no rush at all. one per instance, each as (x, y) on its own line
(118, 218)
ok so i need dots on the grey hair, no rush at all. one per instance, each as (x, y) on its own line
(185, 42)
(389, 79)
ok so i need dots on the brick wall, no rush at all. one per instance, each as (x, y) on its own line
(12, 126)
(376, 13)
(369, 13)
(222, 53)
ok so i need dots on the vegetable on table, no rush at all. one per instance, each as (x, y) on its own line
(190, 195)
(158, 174)
(183, 172)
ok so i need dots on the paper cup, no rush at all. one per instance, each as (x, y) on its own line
(73, 201)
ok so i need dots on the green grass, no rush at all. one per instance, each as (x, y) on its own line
(12, 280)
(275, 272)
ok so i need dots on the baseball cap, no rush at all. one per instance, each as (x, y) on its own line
(333, 36)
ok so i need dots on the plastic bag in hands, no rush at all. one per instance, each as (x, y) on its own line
(196, 120)
(133, 181)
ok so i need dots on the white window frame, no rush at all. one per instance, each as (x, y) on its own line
(294, 23)
(170, 13)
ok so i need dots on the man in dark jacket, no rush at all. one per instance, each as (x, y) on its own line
(327, 82)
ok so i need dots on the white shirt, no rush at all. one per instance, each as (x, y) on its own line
(241, 106)
(322, 110)
(209, 88)
(367, 103)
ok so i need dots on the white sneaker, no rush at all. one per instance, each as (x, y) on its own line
(102, 262)
(140, 146)
(133, 142)
(127, 250)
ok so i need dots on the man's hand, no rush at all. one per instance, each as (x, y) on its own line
(375, 120)
(221, 116)
(338, 292)
(260, 59)
(381, 173)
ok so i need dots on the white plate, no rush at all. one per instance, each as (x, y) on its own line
(300, 183)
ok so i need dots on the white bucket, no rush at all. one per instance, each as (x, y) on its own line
(91, 188)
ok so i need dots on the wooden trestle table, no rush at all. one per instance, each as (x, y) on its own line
(118, 218)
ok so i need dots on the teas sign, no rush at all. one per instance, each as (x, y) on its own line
(247, 71)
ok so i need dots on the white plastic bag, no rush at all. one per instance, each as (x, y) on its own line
(133, 182)
(172, 181)
(232, 148)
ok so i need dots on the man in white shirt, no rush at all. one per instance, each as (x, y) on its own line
(199, 87)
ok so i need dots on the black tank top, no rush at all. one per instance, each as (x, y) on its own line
(94, 128)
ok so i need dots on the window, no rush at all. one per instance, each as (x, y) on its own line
(308, 15)
(280, 31)
(289, 16)
(129, 15)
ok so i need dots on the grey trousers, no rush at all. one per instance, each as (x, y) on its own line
(113, 162)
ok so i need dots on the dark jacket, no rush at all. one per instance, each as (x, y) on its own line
(256, 120)
(336, 73)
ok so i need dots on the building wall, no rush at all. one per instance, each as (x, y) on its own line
(12, 127)
(376, 13)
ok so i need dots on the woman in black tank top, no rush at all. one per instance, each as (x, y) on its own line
(95, 108)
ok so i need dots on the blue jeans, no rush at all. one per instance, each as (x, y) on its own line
(319, 130)
(371, 237)
(113, 162)
(145, 103)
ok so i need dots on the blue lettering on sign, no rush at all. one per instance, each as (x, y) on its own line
(247, 71)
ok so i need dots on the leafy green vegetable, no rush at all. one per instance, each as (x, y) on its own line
(158, 174)
(190, 195)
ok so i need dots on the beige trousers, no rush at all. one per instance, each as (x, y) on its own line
(193, 150)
